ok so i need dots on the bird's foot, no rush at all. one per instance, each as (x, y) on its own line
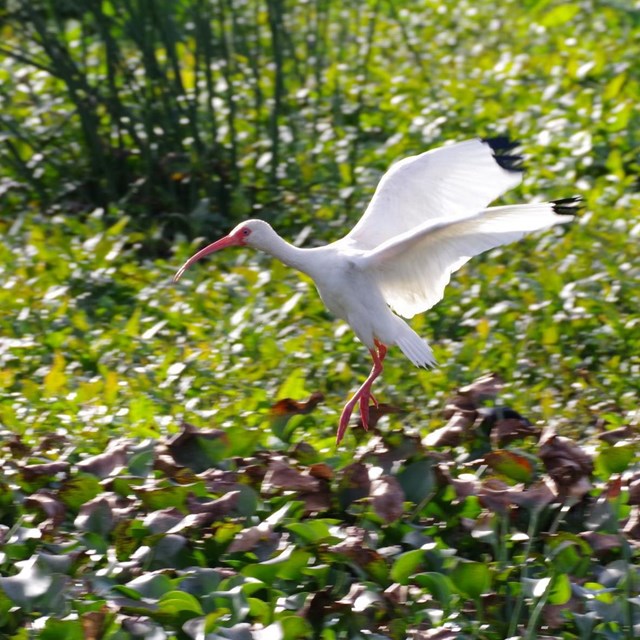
(364, 408)
(345, 416)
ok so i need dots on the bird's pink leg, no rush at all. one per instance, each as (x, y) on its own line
(363, 394)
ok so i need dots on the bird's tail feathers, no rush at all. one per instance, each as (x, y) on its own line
(416, 349)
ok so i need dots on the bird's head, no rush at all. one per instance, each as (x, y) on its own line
(251, 233)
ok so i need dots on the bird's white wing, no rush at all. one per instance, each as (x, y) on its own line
(458, 180)
(412, 270)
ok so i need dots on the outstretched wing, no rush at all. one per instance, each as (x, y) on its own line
(412, 270)
(453, 181)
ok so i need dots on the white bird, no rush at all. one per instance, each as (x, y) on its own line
(427, 218)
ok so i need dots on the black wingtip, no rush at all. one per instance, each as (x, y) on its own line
(568, 206)
(501, 147)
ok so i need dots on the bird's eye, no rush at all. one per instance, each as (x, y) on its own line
(246, 232)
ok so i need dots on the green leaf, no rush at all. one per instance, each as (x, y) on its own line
(438, 585)
(615, 459)
(472, 579)
(288, 566)
(560, 592)
(406, 565)
(62, 630)
(150, 585)
(560, 14)
(313, 531)
(79, 489)
(179, 603)
(417, 480)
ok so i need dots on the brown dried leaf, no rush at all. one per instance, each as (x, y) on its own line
(281, 475)
(165, 463)
(52, 442)
(632, 526)
(537, 496)
(220, 481)
(94, 623)
(634, 489)
(163, 520)
(290, 407)
(387, 498)
(17, 447)
(317, 501)
(214, 509)
(454, 432)
(616, 435)
(465, 485)
(568, 465)
(485, 387)
(317, 606)
(54, 510)
(602, 543)
(459, 404)
(321, 470)
(397, 593)
(31, 472)
(248, 539)
(354, 483)
(355, 549)
(511, 427)
(104, 464)
(495, 495)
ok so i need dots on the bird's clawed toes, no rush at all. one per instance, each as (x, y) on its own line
(364, 411)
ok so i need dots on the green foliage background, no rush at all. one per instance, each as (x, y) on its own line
(129, 129)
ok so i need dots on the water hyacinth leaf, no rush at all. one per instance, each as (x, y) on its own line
(472, 579)
(569, 553)
(294, 627)
(95, 516)
(79, 490)
(615, 459)
(512, 465)
(417, 480)
(314, 531)
(31, 583)
(437, 584)
(180, 604)
(198, 449)
(406, 565)
(287, 565)
(150, 585)
(560, 591)
(164, 497)
(285, 409)
(63, 630)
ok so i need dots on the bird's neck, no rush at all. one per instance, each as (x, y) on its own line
(288, 254)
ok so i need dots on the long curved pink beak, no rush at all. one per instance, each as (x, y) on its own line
(223, 243)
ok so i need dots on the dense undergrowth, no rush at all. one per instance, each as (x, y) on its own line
(456, 516)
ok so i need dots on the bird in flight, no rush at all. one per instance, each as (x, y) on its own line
(428, 216)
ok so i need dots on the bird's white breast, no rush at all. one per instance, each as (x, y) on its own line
(352, 294)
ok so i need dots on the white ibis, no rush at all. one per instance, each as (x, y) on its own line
(427, 218)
